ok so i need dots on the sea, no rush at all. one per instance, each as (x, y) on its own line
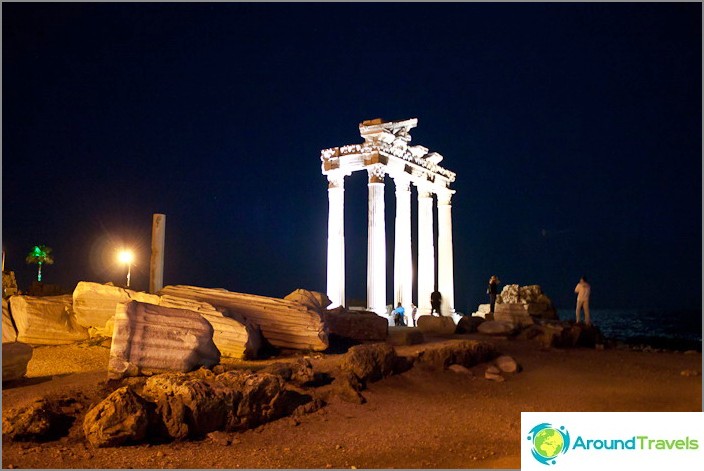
(658, 328)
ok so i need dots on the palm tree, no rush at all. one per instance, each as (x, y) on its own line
(40, 255)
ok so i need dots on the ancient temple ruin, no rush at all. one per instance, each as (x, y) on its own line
(386, 151)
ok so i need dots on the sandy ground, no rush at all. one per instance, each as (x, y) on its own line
(418, 419)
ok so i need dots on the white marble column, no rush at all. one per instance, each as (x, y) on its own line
(426, 250)
(336, 240)
(403, 255)
(376, 251)
(156, 262)
(446, 283)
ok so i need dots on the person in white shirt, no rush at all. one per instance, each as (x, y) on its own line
(583, 290)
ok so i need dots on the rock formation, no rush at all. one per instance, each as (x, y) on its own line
(283, 323)
(47, 320)
(121, 418)
(9, 332)
(15, 357)
(150, 339)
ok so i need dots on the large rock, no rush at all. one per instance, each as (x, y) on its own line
(38, 421)
(468, 324)
(234, 337)
(443, 325)
(283, 323)
(194, 405)
(151, 339)
(495, 328)
(95, 303)
(9, 332)
(15, 357)
(465, 353)
(121, 418)
(355, 325)
(47, 320)
(370, 362)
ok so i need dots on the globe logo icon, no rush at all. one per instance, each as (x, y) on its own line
(548, 442)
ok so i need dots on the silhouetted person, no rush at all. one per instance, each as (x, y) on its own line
(492, 290)
(583, 290)
(435, 301)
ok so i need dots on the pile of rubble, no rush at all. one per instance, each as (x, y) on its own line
(179, 329)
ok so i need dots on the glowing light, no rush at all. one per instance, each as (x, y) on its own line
(126, 257)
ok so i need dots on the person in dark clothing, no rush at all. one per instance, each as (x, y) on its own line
(435, 301)
(492, 291)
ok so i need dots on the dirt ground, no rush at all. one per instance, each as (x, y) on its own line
(419, 419)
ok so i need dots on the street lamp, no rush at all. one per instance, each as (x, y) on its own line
(126, 257)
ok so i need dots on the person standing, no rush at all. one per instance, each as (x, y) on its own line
(493, 290)
(414, 310)
(583, 291)
(435, 302)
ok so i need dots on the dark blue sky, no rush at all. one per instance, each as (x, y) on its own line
(574, 130)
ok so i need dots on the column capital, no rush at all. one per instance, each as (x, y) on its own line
(376, 173)
(444, 196)
(336, 179)
(402, 181)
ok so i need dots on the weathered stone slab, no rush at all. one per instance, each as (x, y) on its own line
(47, 320)
(284, 323)
(234, 337)
(356, 325)
(444, 325)
(495, 328)
(482, 310)
(15, 357)
(95, 303)
(514, 314)
(151, 339)
(9, 333)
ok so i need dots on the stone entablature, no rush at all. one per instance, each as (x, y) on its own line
(387, 144)
(385, 151)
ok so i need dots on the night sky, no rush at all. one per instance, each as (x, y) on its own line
(574, 130)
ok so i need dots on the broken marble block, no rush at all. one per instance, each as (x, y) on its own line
(46, 320)
(234, 337)
(151, 339)
(283, 323)
(312, 299)
(95, 303)
(9, 333)
(15, 357)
